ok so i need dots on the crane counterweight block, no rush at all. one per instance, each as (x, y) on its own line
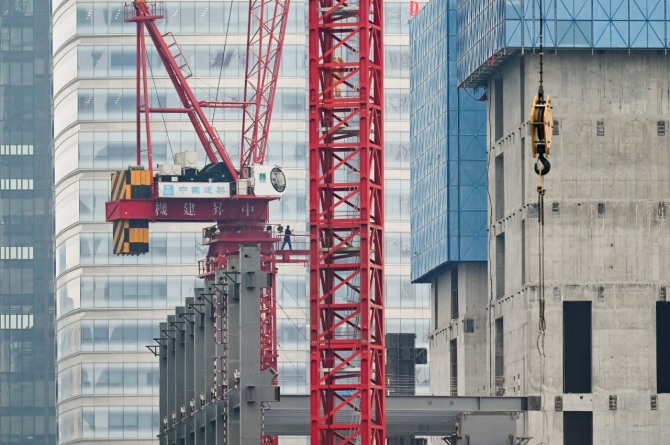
(130, 237)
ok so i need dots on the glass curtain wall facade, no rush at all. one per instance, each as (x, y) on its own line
(27, 381)
(448, 135)
(488, 28)
(109, 307)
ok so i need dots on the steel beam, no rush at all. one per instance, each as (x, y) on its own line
(411, 415)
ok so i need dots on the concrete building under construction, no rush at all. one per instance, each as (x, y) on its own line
(573, 304)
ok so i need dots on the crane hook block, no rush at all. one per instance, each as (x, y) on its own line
(541, 127)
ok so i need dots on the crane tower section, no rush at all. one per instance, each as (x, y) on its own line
(346, 166)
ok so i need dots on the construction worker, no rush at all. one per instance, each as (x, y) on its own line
(287, 238)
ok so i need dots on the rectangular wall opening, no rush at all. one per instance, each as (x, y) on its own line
(498, 108)
(500, 265)
(578, 428)
(499, 187)
(577, 340)
(523, 251)
(436, 307)
(454, 292)
(453, 361)
(663, 347)
(500, 357)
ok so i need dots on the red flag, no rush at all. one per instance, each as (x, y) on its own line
(413, 8)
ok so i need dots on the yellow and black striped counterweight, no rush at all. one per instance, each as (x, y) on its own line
(131, 236)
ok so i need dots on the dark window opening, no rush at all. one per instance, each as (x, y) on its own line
(453, 360)
(577, 347)
(500, 265)
(500, 187)
(454, 293)
(436, 307)
(499, 108)
(663, 347)
(577, 428)
(523, 170)
(523, 251)
(500, 357)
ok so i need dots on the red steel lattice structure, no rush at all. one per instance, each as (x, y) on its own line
(346, 222)
(241, 218)
(265, 37)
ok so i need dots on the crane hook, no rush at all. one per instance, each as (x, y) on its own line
(542, 165)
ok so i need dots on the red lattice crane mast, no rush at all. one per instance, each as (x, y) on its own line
(346, 177)
(234, 199)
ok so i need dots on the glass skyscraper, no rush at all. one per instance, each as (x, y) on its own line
(109, 307)
(27, 382)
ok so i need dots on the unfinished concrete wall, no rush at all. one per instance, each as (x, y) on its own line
(469, 329)
(606, 235)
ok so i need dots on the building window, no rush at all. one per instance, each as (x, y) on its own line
(436, 307)
(454, 293)
(499, 108)
(453, 360)
(577, 428)
(663, 347)
(500, 358)
(500, 187)
(577, 347)
(523, 252)
(500, 265)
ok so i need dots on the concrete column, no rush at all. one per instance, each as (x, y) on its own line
(163, 374)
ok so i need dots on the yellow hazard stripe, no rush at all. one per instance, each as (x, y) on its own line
(129, 184)
(119, 232)
(130, 237)
(117, 185)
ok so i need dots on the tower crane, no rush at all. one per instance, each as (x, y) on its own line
(234, 198)
(346, 183)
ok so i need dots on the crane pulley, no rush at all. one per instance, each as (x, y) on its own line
(541, 120)
(542, 124)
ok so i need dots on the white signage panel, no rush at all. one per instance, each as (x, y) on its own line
(194, 189)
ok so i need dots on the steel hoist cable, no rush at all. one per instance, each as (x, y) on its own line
(541, 126)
